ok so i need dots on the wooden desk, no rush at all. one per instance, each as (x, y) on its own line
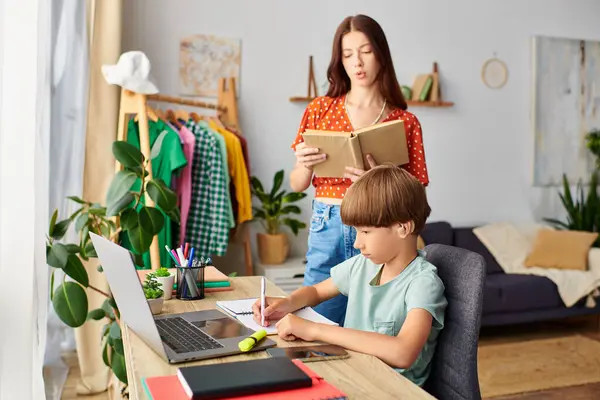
(360, 376)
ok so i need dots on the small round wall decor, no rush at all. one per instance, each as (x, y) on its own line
(494, 73)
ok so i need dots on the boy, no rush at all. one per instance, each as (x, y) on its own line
(396, 300)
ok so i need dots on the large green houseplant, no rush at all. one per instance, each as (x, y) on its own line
(582, 210)
(125, 201)
(274, 213)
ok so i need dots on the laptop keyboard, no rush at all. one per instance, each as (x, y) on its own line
(183, 337)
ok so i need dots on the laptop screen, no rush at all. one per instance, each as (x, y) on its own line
(126, 288)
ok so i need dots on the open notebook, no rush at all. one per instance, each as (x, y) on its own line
(242, 310)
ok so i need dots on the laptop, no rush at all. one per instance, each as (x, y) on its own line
(176, 338)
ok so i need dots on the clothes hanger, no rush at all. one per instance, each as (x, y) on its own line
(170, 116)
(196, 117)
(182, 114)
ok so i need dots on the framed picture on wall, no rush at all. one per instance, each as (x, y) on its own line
(565, 107)
(203, 60)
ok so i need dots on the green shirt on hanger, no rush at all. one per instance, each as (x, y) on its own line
(168, 161)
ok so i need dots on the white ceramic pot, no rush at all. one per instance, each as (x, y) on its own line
(156, 305)
(167, 285)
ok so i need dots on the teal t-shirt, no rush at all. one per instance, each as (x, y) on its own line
(383, 308)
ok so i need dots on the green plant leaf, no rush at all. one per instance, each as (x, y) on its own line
(140, 239)
(116, 208)
(81, 221)
(52, 285)
(294, 224)
(90, 251)
(105, 350)
(73, 248)
(71, 304)
(76, 213)
(290, 210)
(76, 270)
(129, 219)
(99, 268)
(115, 330)
(127, 154)
(151, 220)
(60, 229)
(96, 314)
(175, 215)
(77, 199)
(58, 256)
(138, 259)
(118, 367)
(556, 223)
(101, 211)
(119, 187)
(118, 346)
(52, 222)
(108, 309)
(139, 171)
(293, 197)
(164, 197)
(277, 181)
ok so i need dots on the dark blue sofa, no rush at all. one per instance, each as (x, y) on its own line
(508, 298)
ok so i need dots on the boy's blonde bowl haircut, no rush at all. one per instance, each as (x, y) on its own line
(384, 196)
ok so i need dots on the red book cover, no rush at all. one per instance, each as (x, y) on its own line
(169, 388)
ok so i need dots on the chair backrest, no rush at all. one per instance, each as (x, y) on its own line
(454, 366)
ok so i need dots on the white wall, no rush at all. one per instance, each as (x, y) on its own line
(479, 153)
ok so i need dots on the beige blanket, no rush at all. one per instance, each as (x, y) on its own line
(510, 244)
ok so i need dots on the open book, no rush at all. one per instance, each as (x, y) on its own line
(242, 311)
(386, 142)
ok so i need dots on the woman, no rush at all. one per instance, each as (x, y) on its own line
(363, 91)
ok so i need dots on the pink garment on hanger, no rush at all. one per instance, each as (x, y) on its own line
(183, 182)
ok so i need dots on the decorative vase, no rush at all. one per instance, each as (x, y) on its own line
(156, 305)
(166, 283)
(272, 249)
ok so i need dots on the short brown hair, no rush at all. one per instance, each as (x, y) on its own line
(383, 196)
(339, 81)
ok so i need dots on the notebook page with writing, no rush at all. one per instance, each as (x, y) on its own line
(242, 310)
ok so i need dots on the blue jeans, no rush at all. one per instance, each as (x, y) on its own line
(330, 242)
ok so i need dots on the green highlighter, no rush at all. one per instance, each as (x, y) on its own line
(251, 341)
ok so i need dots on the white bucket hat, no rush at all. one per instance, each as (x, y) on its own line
(132, 72)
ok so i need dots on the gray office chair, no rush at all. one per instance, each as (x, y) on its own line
(454, 365)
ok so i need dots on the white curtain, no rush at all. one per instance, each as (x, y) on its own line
(24, 168)
(70, 62)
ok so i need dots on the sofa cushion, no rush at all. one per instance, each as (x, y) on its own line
(438, 232)
(514, 293)
(465, 238)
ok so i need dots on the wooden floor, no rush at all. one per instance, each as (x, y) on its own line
(586, 326)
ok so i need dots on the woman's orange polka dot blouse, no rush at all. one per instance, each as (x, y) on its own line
(328, 113)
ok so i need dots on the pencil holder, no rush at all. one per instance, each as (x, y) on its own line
(190, 282)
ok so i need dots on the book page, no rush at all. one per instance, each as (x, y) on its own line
(339, 149)
(386, 142)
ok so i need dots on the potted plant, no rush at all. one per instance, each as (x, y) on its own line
(154, 293)
(138, 221)
(274, 213)
(166, 279)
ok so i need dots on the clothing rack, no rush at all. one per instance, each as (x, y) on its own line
(227, 112)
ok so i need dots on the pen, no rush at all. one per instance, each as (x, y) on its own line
(251, 341)
(263, 289)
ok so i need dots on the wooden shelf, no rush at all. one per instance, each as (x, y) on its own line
(430, 103)
(301, 99)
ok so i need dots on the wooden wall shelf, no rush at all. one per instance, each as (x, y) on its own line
(301, 99)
